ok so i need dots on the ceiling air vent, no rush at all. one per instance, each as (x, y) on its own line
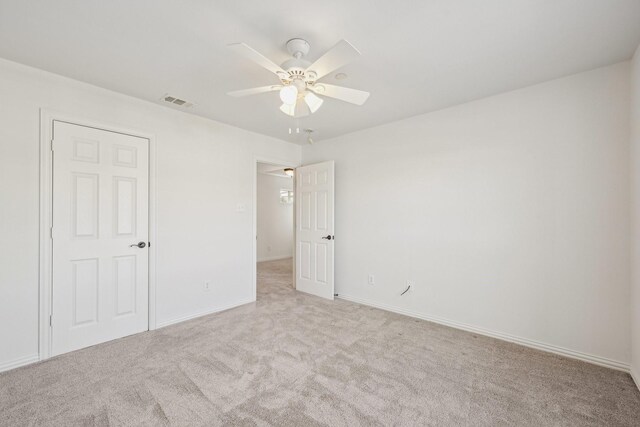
(177, 101)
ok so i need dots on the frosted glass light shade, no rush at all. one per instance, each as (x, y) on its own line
(314, 102)
(289, 110)
(289, 95)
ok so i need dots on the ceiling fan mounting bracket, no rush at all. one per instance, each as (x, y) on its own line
(298, 48)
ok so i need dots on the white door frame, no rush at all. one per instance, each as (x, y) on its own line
(278, 162)
(47, 117)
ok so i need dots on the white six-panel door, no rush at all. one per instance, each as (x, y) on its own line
(100, 209)
(314, 229)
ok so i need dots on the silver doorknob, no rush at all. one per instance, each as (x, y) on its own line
(140, 245)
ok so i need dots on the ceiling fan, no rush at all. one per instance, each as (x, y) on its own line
(299, 87)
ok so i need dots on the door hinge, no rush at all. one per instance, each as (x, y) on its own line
(52, 145)
(51, 320)
(51, 232)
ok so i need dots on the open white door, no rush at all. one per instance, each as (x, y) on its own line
(314, 229)
(100, 236)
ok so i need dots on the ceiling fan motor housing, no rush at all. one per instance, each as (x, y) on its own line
(296, 66)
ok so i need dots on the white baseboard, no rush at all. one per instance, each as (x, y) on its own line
(274, 258)
(596, 360)
(16, 363)
(202, 313)
(635, 377)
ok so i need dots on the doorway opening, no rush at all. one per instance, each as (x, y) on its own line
(275, 244)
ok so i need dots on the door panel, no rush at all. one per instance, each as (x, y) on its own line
(314, 220)
(321, 262)
(124, 199)
(85, 205)
(124, 273)
(85, 291)
(100, 208)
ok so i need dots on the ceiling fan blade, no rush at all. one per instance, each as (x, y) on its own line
(254, 91)
(339, 55)
(354, 96)
(255, 56)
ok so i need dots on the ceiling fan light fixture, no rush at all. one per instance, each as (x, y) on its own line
(289, 95)
(298, 76)
(289, 110)
(314, 102)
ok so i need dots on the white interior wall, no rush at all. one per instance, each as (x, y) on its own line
(274, 219)
(635, 216)
(510, 214)
(205, 172)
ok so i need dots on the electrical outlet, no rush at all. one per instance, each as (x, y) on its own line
(207, 286)
(372, 279)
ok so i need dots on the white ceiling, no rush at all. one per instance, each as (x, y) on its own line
(417, 56)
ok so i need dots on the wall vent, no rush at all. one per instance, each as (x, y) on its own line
(176, 101)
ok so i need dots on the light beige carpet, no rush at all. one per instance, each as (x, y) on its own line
(294, 359)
